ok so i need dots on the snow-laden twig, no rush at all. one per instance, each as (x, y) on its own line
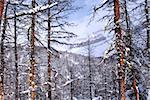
(25, 92)
(52, 84)
(68, 82)
(31, 11)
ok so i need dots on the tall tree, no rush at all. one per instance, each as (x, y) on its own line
(2, 48)
(32, 55)
(16, 56)
(90, 68)
(49, 55)
(120, 50)
(147, 23)
(71, 84)
(128, 44)
(1, 10)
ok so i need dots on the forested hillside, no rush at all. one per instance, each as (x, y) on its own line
(74, 50)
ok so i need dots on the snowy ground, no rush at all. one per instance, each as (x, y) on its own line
(148, 95)
(100, 98)
(95, 98)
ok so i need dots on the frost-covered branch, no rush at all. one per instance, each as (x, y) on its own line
(92, 40)
(31, 11)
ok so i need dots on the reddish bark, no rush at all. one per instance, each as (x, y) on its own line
(2, 64)
(135, 89)
(32, 56)
(120, 49)
(1, 8)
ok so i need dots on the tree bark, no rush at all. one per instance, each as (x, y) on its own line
(2, 48)
(90, 70)
(16, 55)
(32, 56)
(147, 23)
(129, 45)
(1, 8)
(135, 89)
(49, 55)
(128, 32)
(120, 50)
(71, 85)
(105, 80)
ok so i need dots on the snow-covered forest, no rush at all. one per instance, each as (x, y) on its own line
(48, 53)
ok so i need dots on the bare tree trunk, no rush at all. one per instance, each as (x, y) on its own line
(16, 56)
(105, 81)
(2, 49)
(71, 85)
(90, 70)
(128, 32)
(135, 89)
(120, 49)
(147, 23)
(32, 57)
(1, 10)
(49, 55)
(114, 78)
(1, 72)
(129, 45)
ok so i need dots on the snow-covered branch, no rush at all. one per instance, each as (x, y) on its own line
(92, 40)
(31, 11)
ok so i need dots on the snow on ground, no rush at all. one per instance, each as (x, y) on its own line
(95, 98)
(148, 95)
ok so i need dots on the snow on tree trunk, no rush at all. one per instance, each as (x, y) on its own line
(120, 50)
(32, 56)
(136, 89)
(2, 48)
(49, 55)
(16, 57)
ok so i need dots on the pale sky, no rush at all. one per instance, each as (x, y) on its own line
(83, 29)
